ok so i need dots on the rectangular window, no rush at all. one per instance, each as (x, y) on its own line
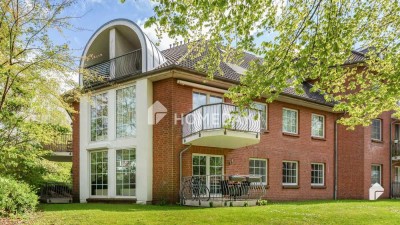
(290, 121)
(99, 173)
(290, 173)
(126, 112)
(200, 98)
(263, 116)
(317, 126)
(258, 167)
(397, 173)
(376, 130)
(126, 172)
(376, 174)
(99, 118)
(317, 173)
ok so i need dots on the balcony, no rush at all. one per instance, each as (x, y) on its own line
(220, 125)
(61, 148)
(221, 190)
(127, 64)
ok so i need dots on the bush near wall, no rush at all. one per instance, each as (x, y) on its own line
(16, 198)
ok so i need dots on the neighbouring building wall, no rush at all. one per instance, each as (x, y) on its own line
(274, 147)
(356, 154)
(350, 163)
(75, 152)
(378, 153)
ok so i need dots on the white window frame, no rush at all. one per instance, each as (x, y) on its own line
(90, 173)
(266, 168)
(208, 175)
(297, 120)
(380, 173)
(116, 113)
(90, 116)
(323, 125)
(297, 173)
(115, 173)
(380, 130)
(323, 174)
(397, 173)
(266, 113)
(208, 94)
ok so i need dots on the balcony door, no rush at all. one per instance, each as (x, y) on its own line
(204, 98)
(209, 169)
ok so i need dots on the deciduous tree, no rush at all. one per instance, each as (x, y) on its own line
(33, 71)
(298, 41)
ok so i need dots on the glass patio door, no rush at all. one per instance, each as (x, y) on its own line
(209, 169)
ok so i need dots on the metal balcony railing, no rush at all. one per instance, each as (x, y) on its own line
(396, 189)
(60, 143)
(127, 64)
(220, 116)
(51, 191)
(395, 148)
(222, 188)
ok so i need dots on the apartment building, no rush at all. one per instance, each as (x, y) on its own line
(156, 129)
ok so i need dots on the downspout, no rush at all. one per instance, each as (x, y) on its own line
(335, 147)
(180, 166)
(390, 158)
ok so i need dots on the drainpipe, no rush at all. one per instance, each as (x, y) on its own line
(390, 158)
(180, 165)
(335, 147)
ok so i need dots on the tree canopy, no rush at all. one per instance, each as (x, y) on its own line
(298, 41)
(33, 71)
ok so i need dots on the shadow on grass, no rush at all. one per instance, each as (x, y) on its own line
(148, 208)
(113, 207)
(326, 202)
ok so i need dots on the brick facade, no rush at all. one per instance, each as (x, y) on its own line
(75, 152)
(356, 154)
(356, 151)
(274, 147)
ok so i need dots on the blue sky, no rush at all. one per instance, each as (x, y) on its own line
(95, 13)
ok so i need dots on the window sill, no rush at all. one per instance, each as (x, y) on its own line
(376, 141)
(290, 134)
(265, 131)
(290, 186)
(318, 138)
(318, 187)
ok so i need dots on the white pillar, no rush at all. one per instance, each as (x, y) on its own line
(144, 150)
(112, 52)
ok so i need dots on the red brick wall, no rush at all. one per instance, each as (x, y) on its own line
(274, 146)
(350, 162)
(75, 152)
(356, 154)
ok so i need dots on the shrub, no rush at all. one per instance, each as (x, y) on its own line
(262, 202)
(16, 198)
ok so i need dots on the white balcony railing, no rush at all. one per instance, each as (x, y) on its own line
(220, 116)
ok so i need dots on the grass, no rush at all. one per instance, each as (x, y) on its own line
(311, 212)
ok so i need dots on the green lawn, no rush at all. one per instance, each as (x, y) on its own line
(313, 212)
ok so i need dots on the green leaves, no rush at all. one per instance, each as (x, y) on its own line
(33, 73)
(298, 41)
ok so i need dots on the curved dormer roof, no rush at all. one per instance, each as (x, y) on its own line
(117, 38)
